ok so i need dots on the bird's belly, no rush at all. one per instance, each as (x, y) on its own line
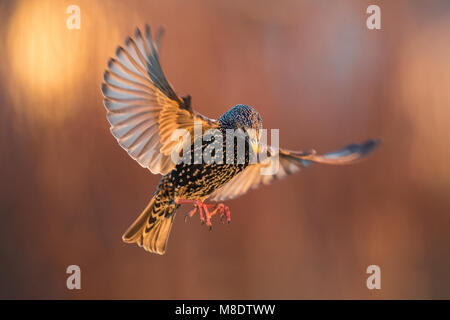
(198, 181)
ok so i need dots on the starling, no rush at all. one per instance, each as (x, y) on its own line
(144, 112)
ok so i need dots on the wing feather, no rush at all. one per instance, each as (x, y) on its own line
(142, 108)
(282, 163)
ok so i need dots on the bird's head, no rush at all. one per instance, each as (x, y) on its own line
(245, 118)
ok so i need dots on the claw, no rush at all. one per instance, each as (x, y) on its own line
(190, 213)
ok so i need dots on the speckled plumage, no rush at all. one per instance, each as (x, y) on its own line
(197, 181)
(144, 111)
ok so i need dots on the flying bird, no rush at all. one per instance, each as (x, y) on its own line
(144, 111)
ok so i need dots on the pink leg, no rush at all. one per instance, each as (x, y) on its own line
(203, 210)
(200, 212)
(208, 217)
(224, 212)
(228, 214)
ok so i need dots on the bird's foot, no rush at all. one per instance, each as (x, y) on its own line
(204, 213)
(224, 212)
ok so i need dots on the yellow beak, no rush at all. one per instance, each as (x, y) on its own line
(255, 147)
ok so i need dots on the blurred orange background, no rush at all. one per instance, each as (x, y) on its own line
(312, 69)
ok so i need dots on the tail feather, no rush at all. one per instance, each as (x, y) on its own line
(152, 228)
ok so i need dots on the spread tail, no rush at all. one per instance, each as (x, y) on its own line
(152, 228)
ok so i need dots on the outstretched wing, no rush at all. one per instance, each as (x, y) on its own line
(142, 107)
(282, 163)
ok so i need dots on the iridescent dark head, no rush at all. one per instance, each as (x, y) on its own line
(241, 117)
(245, 118)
